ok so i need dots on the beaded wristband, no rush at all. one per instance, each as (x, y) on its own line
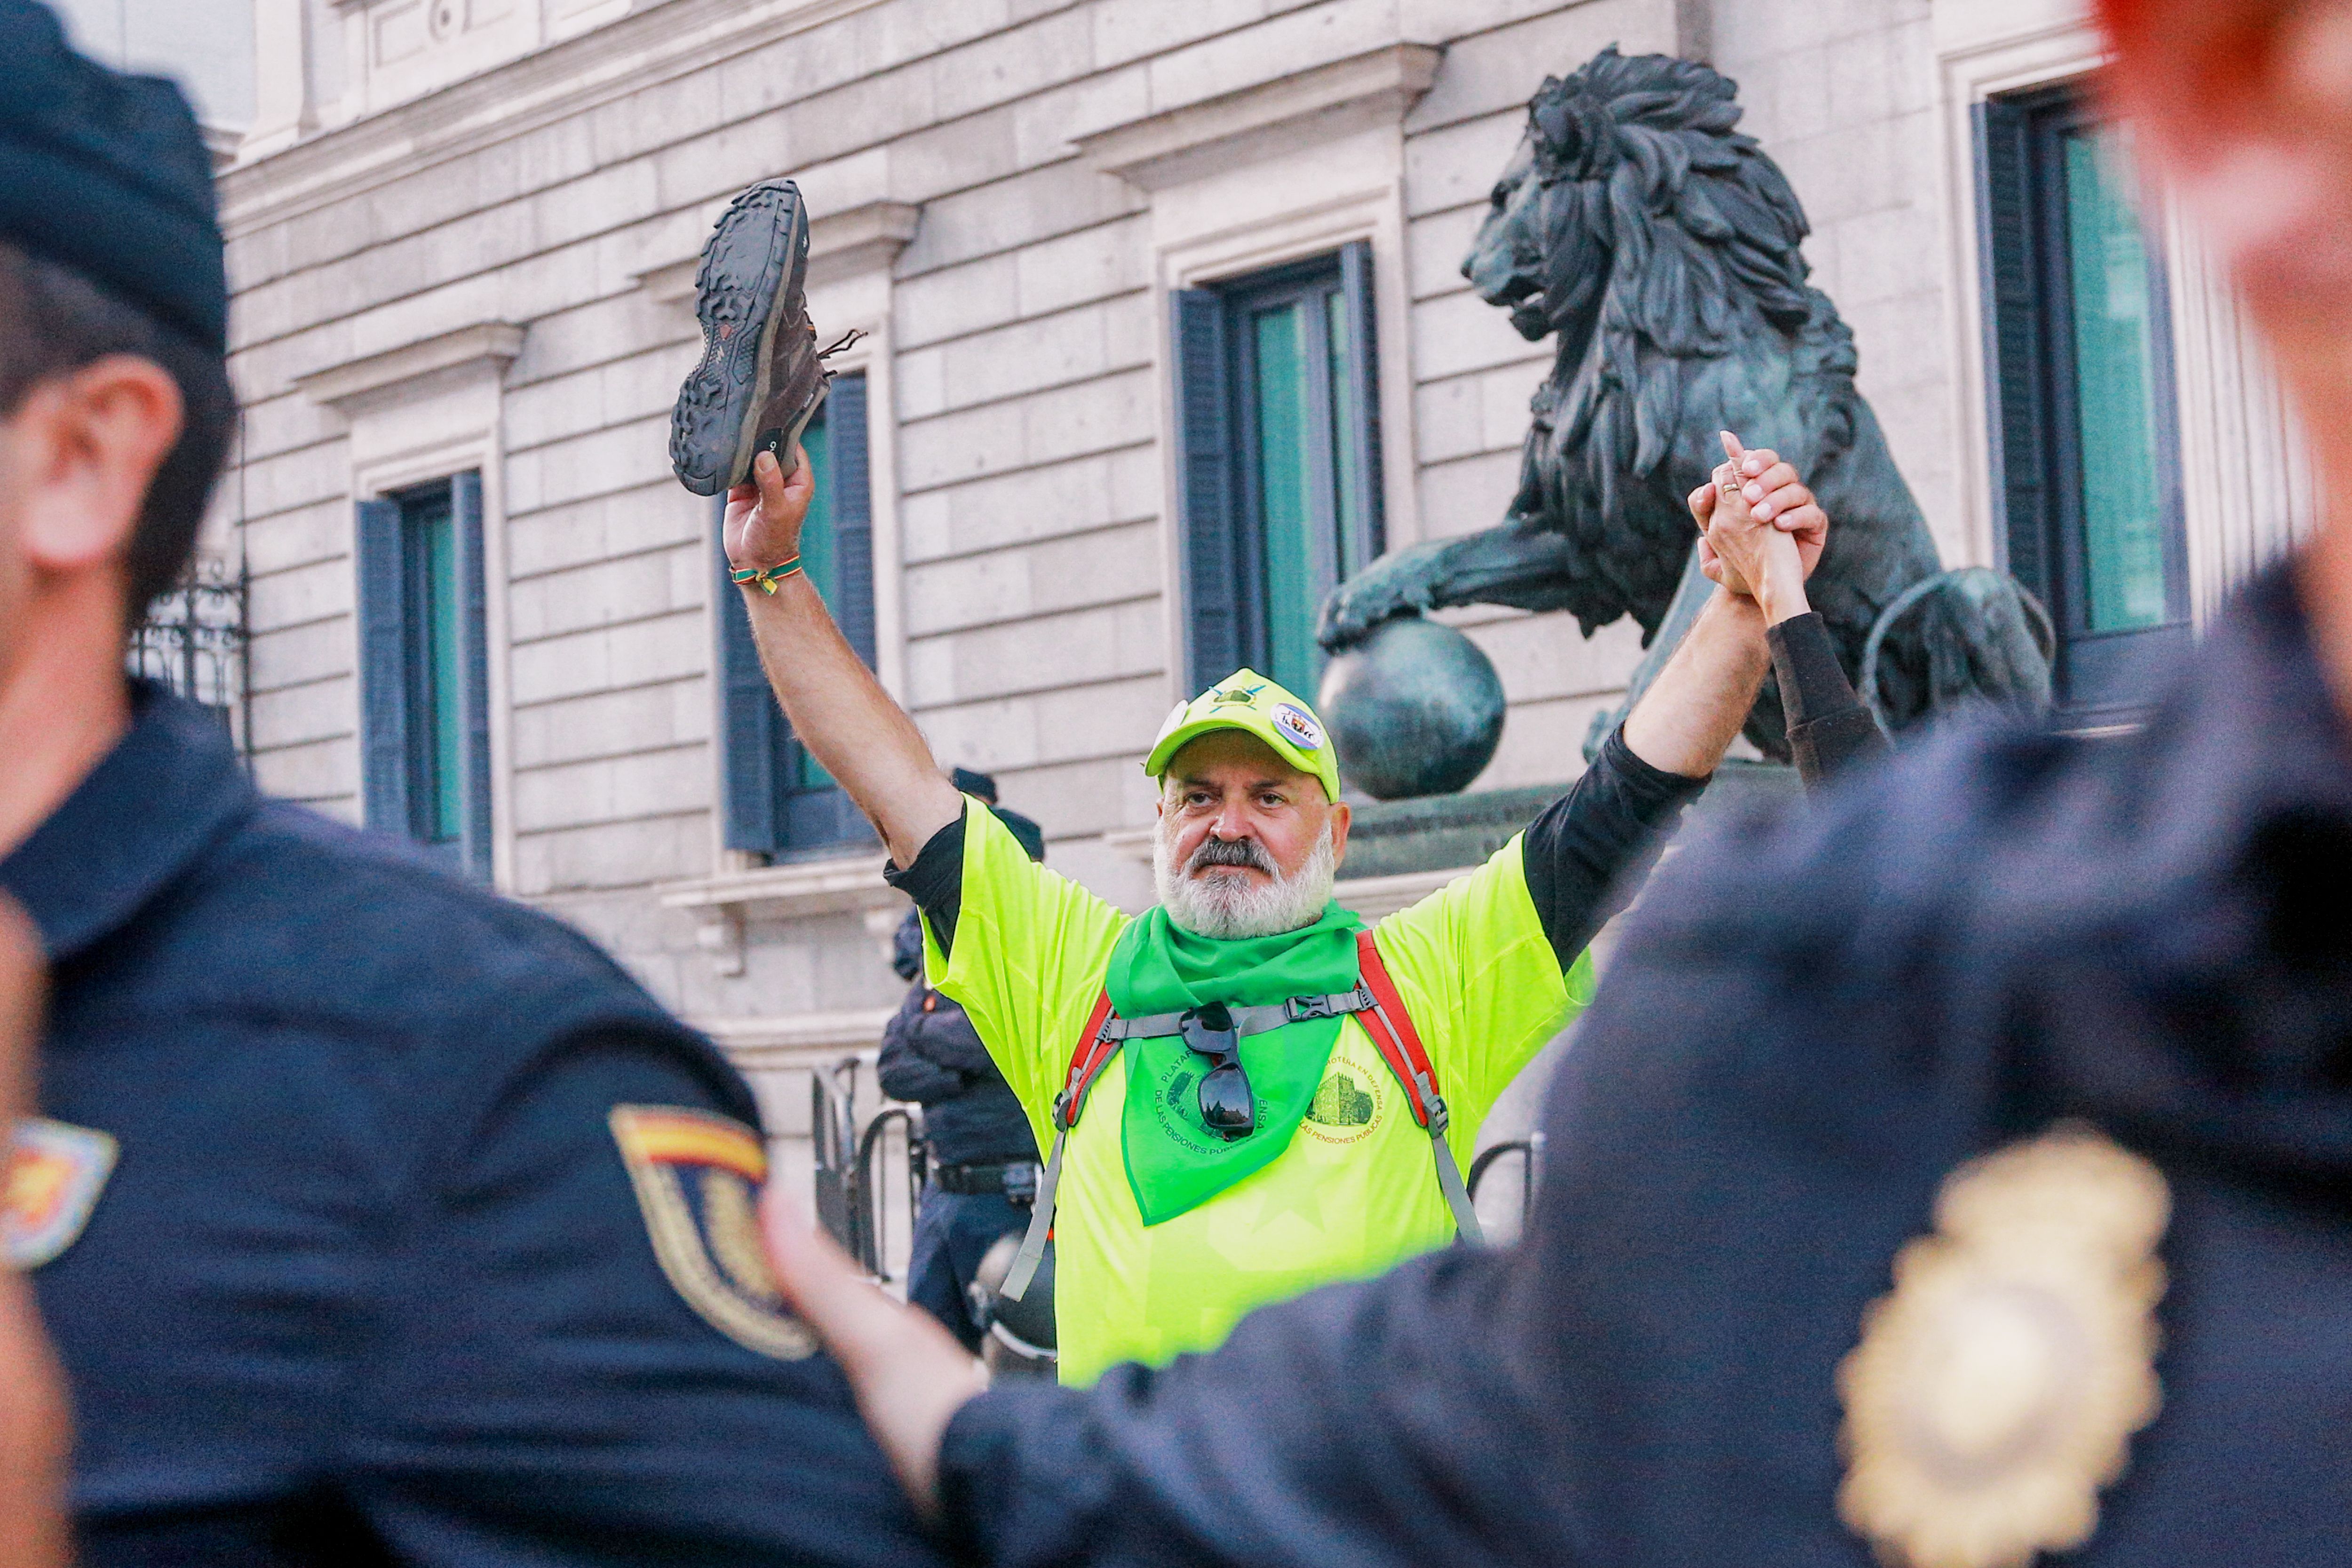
(765, 578)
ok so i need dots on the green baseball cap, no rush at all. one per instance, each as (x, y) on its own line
(1248, 701)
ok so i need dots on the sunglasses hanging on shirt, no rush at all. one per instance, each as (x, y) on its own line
(1228, 1106)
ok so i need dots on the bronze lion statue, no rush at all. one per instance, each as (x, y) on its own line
(1660, 249)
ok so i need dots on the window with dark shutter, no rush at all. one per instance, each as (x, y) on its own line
(1278, 460)
(778, 802)
(2089, 507)
(424, 658)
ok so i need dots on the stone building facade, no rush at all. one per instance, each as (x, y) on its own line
(462, 235)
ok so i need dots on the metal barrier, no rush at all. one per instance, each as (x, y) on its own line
(832, 1137)
(850, 1190)
(867, 1210)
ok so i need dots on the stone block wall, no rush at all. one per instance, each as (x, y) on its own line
(1019, 365)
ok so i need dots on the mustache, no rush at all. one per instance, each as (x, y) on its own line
(1248, 852)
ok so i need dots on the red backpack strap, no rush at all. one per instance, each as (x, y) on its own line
(1094, 1051)
(1086, 1062)
(1399, 1042)
(1390, 1027)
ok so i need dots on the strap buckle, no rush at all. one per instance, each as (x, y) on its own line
(1062, 1111)
(1338, 1006)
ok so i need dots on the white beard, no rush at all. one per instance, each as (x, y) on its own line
(1227, 908)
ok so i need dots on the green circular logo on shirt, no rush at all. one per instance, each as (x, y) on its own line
(1347, 1105)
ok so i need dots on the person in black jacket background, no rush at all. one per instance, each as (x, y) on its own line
(983, 1155)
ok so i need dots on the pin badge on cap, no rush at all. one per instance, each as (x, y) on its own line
(1298, 727)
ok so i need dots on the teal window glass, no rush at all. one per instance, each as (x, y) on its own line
(424, 663)
(441, 727)
(2087, 479)
(1302, 374)
(820, 558)
(1348, 468)
(776, 801)
(435, 625)
(1278, 452)
(1286, 482)
(2115, 401)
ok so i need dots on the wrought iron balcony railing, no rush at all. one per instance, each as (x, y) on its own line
(192, 639)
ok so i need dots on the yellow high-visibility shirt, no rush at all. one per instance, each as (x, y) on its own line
(1357, 1189)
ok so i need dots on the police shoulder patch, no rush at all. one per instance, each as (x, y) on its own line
(55, 1173)
(697, 1177)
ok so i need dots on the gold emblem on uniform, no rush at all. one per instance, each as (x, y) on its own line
(1996, 1389)
(52, 1173)
(696, 1178)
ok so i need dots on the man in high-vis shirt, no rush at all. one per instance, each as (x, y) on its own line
(1246, 1137)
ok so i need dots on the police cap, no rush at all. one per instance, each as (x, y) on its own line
(107, 174)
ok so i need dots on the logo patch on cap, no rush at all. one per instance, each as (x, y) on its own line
(55, 1173)
(1298, 727)
(1235, 696)
(698, 1180)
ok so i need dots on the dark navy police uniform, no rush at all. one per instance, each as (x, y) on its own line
(1810, 1028)
(376, 1275)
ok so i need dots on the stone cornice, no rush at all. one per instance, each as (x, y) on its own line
(864, 238)
(345, 386)
(797, 1039)
(798, 887)
(722, 905)
(1376, 86)
(613, 61)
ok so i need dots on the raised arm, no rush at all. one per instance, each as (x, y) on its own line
(1761, 533)
(1588, 851)
(1696, 706)
(839, 711)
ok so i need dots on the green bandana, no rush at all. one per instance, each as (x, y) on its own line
(1174, 1161)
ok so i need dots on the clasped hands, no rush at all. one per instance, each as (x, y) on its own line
(1761, 531)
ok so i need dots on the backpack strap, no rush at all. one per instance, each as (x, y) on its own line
(1390, 1027)
(1096, 1047)
(1374, 1001)
(1259, 1020)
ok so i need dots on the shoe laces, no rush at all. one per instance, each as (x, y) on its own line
(841, 343)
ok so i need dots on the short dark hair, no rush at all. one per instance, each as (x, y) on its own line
(53, 321)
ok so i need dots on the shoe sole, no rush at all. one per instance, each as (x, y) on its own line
(701, 427)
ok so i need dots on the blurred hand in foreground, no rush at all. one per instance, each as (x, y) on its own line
(35, 1431)
(909, 1374)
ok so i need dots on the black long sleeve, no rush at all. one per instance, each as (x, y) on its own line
(935, 881)
(1830, 731)
(1585, 855)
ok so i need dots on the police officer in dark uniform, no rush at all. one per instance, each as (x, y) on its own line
(983, 1155)
(1959, 1175)
(375, 1218)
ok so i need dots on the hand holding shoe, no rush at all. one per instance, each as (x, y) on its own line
(764, 517)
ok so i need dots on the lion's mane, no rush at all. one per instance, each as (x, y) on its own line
(1663, 247)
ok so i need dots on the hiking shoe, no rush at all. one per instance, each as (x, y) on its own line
(760, 380)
